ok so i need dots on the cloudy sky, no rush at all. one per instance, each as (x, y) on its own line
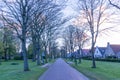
(111, 36)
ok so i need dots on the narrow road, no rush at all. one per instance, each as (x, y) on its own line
(60, 70)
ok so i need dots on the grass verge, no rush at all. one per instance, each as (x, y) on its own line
(15, 72)
(104, 70)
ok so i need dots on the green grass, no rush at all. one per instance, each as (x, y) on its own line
(15, 72)
(104, 70)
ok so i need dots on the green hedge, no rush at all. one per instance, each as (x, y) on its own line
(18, 58)
(106, 59)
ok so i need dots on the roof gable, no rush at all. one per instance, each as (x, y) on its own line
(102, 49)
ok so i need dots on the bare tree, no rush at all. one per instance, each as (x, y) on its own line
(93, 11)
(18, 15)
(71, 30)
(68, 36)
(81, 37)
(45, 23)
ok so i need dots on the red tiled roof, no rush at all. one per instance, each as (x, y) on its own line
(116, 48)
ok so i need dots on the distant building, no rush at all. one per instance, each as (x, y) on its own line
(112, 50)
(99, 52)
(86, 52)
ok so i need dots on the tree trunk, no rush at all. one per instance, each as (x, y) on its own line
(34, 54)
(34, 51)
(93, 61)
(92, 51)
(0, 59)
(79, 52)
(5, 54)
(50, 54)
(38, 58)
(38, 54)
(46, 54)
(24, 52)
(34, 46)
(79, 58)
(75, 60)
(9, 54)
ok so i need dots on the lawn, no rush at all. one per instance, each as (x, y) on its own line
(104, 70)
(15, 72)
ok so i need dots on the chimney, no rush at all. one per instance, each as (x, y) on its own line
(108, 43)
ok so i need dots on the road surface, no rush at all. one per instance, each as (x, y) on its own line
(60, 70)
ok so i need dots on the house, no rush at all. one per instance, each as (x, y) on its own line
(86, 52)
(99, 52)
(116, 50)
(68, 55)
(118, 55)
(112, 50)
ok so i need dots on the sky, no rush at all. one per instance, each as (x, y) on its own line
(108, 36)
(111, 36)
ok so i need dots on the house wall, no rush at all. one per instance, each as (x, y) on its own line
(118, 55)
(97, 53)
(109, 51)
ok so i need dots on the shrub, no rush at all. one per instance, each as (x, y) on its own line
(30, 56)
(87, 57)
(106, 59)
(14, 63)
(111, 57)
(18, 58)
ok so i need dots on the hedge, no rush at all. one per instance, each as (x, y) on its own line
(103, 59)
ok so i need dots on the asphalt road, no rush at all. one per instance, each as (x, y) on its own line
(60, 70)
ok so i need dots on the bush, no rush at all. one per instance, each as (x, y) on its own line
(30, 56)
(14, 63)
(111, 57)
(18, 58)
(106, 59)
(87, 57)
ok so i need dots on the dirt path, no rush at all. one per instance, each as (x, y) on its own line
(60, 70)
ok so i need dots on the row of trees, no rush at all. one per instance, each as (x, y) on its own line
(35, 21)
(96, 12)
(38, 22)
(74, 40)
(7, 44)
(92, 14)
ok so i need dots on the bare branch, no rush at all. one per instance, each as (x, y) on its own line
(114, 4)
